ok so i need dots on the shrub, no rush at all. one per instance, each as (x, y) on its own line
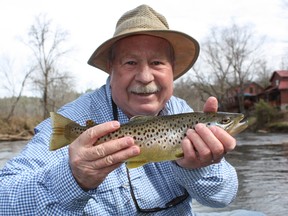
(265, 113)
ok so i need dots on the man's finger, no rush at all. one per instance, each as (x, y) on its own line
(116, 158)
(107, 148)
(90, 136)
(229, 142)
(211, 105)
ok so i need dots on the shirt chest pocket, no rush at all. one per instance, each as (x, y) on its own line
(112, 197)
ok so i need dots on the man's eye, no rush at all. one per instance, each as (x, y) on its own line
(156, 63)
(131, 63)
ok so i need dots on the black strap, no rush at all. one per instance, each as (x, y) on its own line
(115, 110)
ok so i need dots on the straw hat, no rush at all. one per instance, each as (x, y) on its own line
(145, 20)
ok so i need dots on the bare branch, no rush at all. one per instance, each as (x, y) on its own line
(47, 46)
(230, 57)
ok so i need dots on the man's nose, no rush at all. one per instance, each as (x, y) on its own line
(145, 74)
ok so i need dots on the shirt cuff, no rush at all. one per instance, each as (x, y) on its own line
(187, 176)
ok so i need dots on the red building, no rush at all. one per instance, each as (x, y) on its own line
(250, 92)
(277, 93)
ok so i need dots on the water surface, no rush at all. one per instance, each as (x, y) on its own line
(261, 162)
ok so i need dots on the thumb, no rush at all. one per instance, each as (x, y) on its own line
(211, 105)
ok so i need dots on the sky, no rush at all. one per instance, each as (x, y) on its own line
(91, 22)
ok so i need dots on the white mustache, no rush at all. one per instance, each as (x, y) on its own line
(147, 89)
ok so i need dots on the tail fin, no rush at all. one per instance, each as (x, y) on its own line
(58, 139)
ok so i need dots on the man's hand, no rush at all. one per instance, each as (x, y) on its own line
(91, 164)
(205, 145)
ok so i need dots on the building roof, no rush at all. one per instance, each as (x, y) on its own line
(282, 86)
(281, 73)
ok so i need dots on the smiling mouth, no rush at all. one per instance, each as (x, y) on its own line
(143, 93)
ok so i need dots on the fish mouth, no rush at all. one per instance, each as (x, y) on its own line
(239, 126)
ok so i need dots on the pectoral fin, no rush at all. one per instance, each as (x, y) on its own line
(179, 153)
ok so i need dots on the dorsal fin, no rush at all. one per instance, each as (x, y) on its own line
(90, 123)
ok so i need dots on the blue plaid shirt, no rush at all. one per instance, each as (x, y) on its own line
(40, 182)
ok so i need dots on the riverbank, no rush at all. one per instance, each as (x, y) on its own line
(25, 135)
(18, 128)
(249, 138)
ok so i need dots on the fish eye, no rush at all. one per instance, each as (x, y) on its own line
(225, 120)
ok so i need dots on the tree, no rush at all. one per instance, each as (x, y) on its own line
(231, 57)
(264, 74)
(48, 50)
(7, 75)
(6, 69)
(189, 93)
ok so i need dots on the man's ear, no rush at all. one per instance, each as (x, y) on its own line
(109, 66)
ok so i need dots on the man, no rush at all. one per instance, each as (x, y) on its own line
(143, 59)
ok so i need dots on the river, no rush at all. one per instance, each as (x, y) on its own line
(261, 161)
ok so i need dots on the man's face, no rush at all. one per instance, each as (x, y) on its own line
(141, 74)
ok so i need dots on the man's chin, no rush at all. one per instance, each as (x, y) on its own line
(145, 111)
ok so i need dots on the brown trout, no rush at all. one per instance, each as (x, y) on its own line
(159, 137)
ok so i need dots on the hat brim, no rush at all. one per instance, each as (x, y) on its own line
(186, 50)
